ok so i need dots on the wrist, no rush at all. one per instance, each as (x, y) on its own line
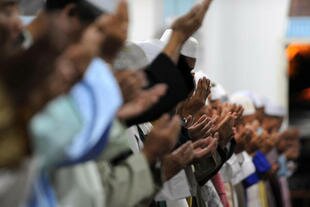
(151, 157)
(174, 46)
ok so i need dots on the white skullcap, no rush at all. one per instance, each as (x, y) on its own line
(105, 5)
(130, 57)
(151, 49)
(257, 99)
(273, 109)
(218, 92)
(245, 102)
(190, 47)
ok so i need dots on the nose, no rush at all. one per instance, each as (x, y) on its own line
(16, 26)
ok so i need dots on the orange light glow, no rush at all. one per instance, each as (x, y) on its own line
(291, 52)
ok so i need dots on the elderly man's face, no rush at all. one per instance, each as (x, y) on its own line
(67, 21)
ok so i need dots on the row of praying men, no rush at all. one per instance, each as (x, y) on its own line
(89, 119)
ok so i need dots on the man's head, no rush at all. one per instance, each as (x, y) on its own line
(249, 113)
(289, 138)
(273, 116)
(218, 94)
(10, 21)
(258, 102)
(69, 17)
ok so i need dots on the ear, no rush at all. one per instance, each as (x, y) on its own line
(71, 10)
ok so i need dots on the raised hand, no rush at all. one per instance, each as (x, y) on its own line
(201, 128)
(144, 101)
(197, 101)
(162, 138)
(178, 160)
(185, 26)
(204, 147)
(237, 112)
(225, 128)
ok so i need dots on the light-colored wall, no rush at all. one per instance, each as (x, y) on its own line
(146, 18)
(243, 43)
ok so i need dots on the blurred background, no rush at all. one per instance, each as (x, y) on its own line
(260, 45)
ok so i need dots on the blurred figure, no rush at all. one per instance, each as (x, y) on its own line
(10, 26)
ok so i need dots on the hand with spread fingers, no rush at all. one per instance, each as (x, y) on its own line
(188, 24)
(186, 154)
(162, 138)
(205, 147)
(142, 102)
(225, 128)
(178, 160)
(201, 129)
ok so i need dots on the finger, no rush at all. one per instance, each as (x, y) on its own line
(198, 88)
(206, 149)
(122, 11)
(146, 99)
(162, 122)
(189, 121)
(204, 91)
(208, 86)
(202, 87)
(201, 143)
(182, 148)
(201, 119)
(205, 6)
(209, 132)
(192, 12)
(174, 125)
(207, 126)
(158, 90)
(200, 126)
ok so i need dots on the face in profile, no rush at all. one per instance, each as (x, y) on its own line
(10, 18)
(271, 123)
(10, 28)
(67, 24)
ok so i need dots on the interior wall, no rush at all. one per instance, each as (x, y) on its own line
(243, 46)
(146, 18)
